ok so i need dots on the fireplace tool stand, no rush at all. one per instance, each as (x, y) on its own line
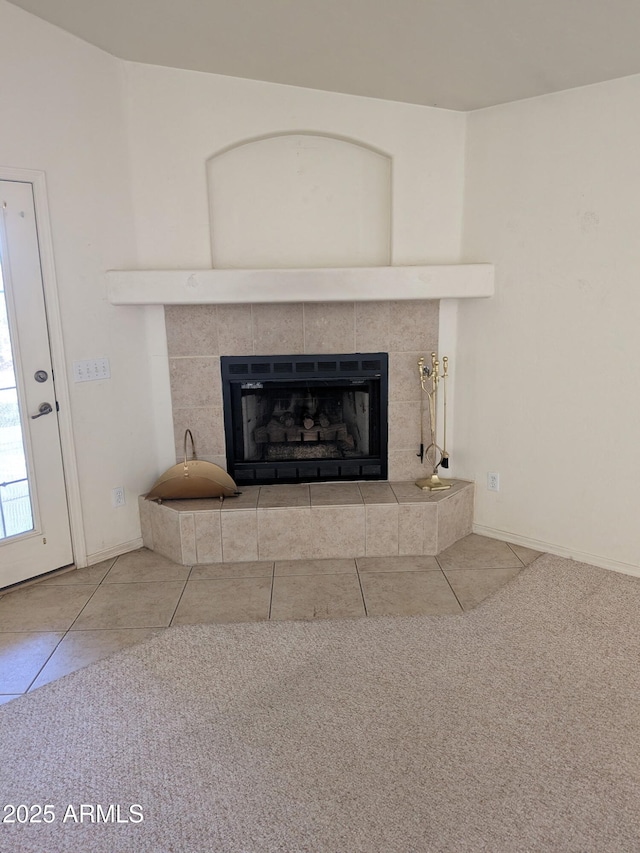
(436, 456)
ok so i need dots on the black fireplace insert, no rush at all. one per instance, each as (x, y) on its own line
(305, 418)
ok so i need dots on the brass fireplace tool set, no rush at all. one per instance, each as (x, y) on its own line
(436, 456)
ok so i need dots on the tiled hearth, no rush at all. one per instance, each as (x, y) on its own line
(320, 520)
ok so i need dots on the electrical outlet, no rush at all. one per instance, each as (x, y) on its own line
(493, 482)
(117, 496)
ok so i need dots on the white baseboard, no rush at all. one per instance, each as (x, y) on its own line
(108, 553)
(558, 550)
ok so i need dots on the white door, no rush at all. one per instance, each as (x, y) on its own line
(34, 519)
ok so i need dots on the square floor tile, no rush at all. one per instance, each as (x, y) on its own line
(4, 698)
(250, 569)
(90, 574)
(335, 494)
(397, 564)
(527, 555)
(315, 567)
(42, 607)
(283, 496)
(131, 605)
(377, 493)
(408, 594)
(224, 600)
(478, 552)
(317, 597)
(409, 493)
(22, 656)
(192, 504)
(471, 586)
(144, 565)
(247, 499)
(80, 648)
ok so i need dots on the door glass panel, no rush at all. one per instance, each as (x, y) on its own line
(16, 515)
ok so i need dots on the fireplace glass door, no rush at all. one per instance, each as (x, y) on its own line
(306, 418)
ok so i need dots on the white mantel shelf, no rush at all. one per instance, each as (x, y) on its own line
(347, 284)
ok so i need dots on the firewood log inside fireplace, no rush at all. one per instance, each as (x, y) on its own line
(277, 432)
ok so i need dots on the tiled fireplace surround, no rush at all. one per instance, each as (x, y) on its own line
(320, 520)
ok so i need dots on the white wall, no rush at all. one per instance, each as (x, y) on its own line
(179, 119)
(299, 200)
(549, 394)
(61, 103)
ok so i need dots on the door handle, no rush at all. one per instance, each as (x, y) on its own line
(43, 409)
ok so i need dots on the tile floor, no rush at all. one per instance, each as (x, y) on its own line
(64, 622)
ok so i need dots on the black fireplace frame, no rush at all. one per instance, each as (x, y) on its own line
(240, 372)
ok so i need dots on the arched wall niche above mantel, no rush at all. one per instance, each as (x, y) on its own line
(299, 200)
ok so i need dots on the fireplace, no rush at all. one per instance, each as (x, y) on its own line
(305, 418)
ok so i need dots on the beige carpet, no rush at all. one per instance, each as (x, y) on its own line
(515, 727)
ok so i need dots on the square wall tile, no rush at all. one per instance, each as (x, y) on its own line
(329, 327)
(372, 326)
(166, 533)
(278, 328)
(337, 531)
(404, 379)
(217, 459)
(235, 330)
(195, 382)
(146, 510)
(404, 426)
(191, 330)
(285, 534)
(411, 529)
(405, 465)
(239, 535)
(381, 530)
(431, 528)
(413, 325)
(207, 428)
(455, 516)
(188, 538)
(208, 531)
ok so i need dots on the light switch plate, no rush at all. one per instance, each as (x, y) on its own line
(91, 369)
